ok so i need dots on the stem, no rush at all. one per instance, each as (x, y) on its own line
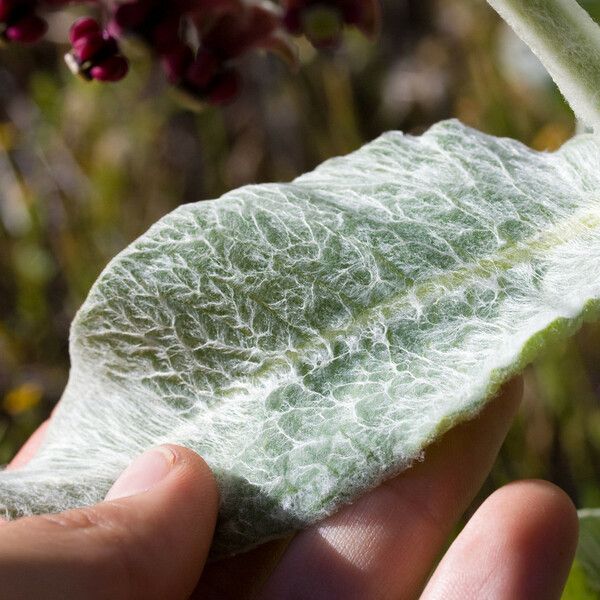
(567, 41)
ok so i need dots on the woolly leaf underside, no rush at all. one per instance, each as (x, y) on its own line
(310, 339)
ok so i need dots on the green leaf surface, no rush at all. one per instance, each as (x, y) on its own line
(588, 549)
(584, 579)
(577, 586)
(311, 339)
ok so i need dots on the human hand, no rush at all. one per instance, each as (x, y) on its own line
(154, 543)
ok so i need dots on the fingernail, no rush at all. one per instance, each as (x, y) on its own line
(143, 473)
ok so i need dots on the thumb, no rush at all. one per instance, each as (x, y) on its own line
(148, 540)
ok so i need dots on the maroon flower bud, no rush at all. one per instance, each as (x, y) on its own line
(19, 21)
(164, 36)
(7, 8)
(176, 62)
(292, 21)
(225, 89)
(95, 54)
(112, 69)
(27, 30)
(83, 28)
(203, 70)
(155, 21)
(130, 16)
(235, 33)
(88, 46)
(229, 29)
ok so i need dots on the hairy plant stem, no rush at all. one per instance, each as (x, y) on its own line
(567, 41)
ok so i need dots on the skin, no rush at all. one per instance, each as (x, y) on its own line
(153, 545)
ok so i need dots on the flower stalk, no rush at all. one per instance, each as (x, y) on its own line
(567, 41)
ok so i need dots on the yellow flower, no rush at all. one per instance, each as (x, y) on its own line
(22, 398)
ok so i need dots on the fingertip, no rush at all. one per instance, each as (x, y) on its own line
(191, 469)
(187, 499)
(169, 470)
(189, 460)
(541, 531)
(519, 544)
(543, 523)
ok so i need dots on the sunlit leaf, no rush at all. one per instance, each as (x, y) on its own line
(577, 587)
(311, 339)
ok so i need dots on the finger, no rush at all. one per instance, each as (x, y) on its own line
(240, 577)
(28, 450)
(148, 541)
(384, 545)
(519, 544)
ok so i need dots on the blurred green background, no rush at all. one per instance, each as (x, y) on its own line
(87, 168)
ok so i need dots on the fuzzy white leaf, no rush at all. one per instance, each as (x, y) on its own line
(311, 339)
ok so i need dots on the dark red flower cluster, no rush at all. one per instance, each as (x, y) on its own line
(199, 43)
(20, 21)
(95, 53)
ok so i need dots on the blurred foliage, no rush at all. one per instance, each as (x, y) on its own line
(584, 580)
(86, 168)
